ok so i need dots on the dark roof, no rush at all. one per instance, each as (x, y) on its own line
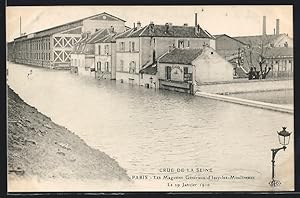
(181, 56)
(233, 38)
(151, 69)
(256, 40)
(98, 35)
(126, 33)
(85, 44)
(173, 31)
(108, 38)
(63, 27)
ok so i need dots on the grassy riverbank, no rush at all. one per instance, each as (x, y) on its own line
(37, 147)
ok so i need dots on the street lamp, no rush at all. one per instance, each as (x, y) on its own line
(284, 139)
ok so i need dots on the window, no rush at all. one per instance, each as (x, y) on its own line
(132, 46)
(188, 43)
(168, 72)
(99, 49)
(107, 66)
(132, 67)
(180, 44)
(122, 46)
(106, 49)
(99, 66)
(185, 70)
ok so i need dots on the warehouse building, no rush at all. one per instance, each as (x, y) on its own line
(52, 47)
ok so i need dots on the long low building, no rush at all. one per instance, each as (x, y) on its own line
(52, 47)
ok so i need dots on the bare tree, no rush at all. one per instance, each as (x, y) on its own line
(257, 56)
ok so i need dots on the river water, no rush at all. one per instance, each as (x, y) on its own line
(151, 131)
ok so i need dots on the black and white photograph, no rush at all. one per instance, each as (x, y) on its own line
(150, 98)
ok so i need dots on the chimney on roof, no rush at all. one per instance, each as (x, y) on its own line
(277, 26)
(112, 29)
(185, 25)
(151, 27)
(133, 25)
(167, 26)
(138, 25)
(264, 25)
(197, 26)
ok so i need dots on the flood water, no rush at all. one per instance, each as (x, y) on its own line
(147, 130)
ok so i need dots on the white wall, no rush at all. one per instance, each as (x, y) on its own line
(211, 67)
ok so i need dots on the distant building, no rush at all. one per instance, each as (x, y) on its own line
(52, 47)
(105, 56)
(83, 54)
(244, 52)
(139, 48)
(228, 47)
(281, 61)
(182, 69)
(280, 40)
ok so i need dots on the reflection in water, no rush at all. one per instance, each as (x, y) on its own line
(146, 130)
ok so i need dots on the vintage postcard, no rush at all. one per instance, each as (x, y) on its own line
(150, 98)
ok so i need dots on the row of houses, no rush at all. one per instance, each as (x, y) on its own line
(158, 56)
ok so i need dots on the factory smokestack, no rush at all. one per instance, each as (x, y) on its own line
(277, 26)
(196, 22)
(264, 25)
(20, 26)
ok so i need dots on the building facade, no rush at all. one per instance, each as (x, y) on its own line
(52, 47)
(105, 57)
(183, 69)
(83, 54)
(141, 47)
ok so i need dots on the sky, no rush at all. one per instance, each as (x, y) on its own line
(231, 20)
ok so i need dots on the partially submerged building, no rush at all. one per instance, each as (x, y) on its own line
(182, 69)
(141, 47)
(105, 56)
(52, 47)
(83, 54)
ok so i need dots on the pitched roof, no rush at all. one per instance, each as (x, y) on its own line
(256, 40)
(233, 38)
(108, 38)
(170, 31)
(66, 26)
(98, 35)
(181, 56)
(150, 69)
(126, 33)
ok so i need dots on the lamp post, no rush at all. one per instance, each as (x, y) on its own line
(284, 139)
